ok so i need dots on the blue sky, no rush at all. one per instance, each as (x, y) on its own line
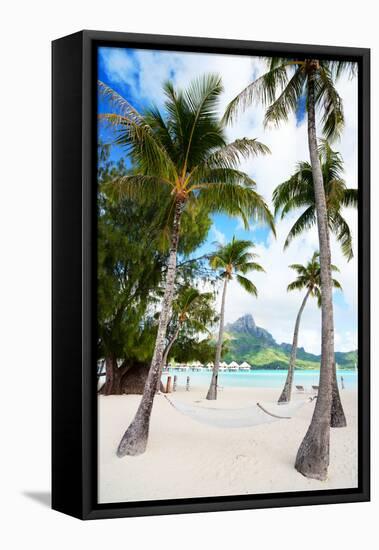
(138, 76)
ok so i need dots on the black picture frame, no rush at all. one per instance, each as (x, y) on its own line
(74, 413)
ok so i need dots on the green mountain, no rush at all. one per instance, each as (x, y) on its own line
(248, 342)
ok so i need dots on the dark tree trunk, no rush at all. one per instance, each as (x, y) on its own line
(135, 438)
(212, 392)
(337, 415)
(113, 375)
(165, 356)
(285, 396)
(312, 458)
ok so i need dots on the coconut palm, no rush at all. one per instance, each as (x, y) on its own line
(233, 260)
(192, 310)
(308, 277)
(181, 152)
(287, 82)
(298, 193)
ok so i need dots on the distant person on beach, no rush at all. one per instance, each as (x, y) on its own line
(342, 384)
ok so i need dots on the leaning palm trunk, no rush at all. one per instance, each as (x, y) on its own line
(312, 458)
(285, 396)
(165, 356)
(134, 440)
(337, 415)
(212, 392)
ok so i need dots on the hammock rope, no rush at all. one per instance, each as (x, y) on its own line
(246, 417)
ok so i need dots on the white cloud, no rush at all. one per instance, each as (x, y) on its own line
(118, 65)
(218, 236)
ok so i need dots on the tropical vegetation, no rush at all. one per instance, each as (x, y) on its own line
(286, 83)
(156, 206)
(182, 155)
(233, 261)
(308, 278)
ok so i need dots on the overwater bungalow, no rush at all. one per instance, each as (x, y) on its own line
(233, 366)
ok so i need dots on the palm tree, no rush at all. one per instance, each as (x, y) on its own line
(314, 80)
(193, 310)
(232, 259)
(181, 153)
(298, 192)
(308, 277)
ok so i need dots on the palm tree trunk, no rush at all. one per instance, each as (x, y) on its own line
(212, 392)
(312, 458)
(337, 415)
(285, 396)
(165, 356)
(135, 438)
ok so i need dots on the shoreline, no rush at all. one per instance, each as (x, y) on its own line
(188, 459)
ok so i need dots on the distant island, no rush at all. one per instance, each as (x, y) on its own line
(246, 341)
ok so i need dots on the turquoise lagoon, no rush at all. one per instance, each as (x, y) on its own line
(261, 378)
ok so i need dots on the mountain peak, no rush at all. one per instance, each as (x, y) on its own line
(245, 323)
(254, 344)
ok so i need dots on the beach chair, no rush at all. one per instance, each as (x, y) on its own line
(300, 389)
(315, 388)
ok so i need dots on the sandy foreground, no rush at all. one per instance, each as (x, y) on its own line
(187, 459)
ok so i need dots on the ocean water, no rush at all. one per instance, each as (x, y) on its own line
(261, 378)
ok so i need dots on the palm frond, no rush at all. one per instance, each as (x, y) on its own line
(204, 177)
(245, 267)
(300, 183)
(202, 96)
(216, 261)
(287, 101)
(235, 199)
(336, 284)
(122, 106)
(295, 285)
(305, 221)
(137, 188)
(317, 293)
(134, 132)
(338, 68)
(231, 154)
(261, 90)
(247, 285)
(299, 268)
(341, 229)
(350, 198)
(332, 109)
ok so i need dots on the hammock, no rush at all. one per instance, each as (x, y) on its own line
(239, 418)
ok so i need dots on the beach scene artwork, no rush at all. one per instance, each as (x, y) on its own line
(227, 310)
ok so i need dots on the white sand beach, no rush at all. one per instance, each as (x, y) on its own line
(187, 459)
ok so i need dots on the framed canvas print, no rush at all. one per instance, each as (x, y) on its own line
(210, 274)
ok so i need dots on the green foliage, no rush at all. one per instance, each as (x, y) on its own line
(235, 258)
(192, 349)
(132, 263)
(284, 84)
(263, 354)
(181, 152)
(298, 193)
(309, 277)
(193, 316)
